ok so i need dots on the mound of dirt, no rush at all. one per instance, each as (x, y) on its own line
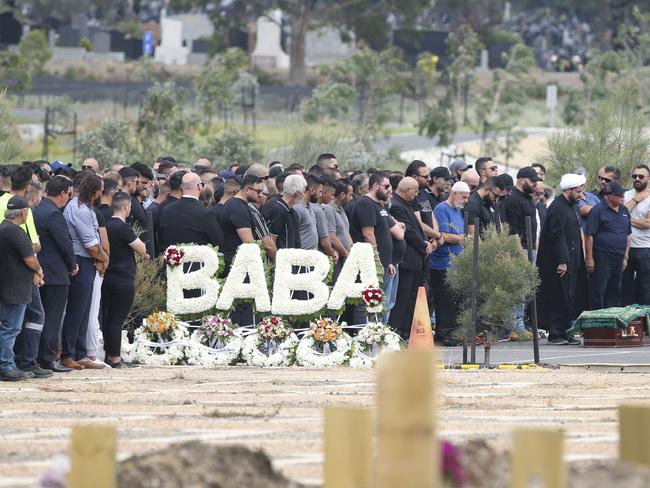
(196, 464)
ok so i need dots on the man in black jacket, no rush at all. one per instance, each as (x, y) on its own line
(560, 261)
(187, 220)
(411, 269)
(59, 263)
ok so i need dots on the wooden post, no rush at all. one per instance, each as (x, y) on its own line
(407, 448)
(421, 336)
(634, 430)
(92, 457)
(348, 447)
(537, 457)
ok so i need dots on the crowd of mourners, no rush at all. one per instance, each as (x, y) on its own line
(68, 240)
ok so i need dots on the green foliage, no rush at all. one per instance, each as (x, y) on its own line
(86, 44)
(162, 126)
(14, 74)
(34, 49)
(440, 121)
(329, 101)
(505, 279)
(233, 145)
(463, 46)
(10, 145)
(111, 143)
(615, 136)
(150, 292)
(214, 85)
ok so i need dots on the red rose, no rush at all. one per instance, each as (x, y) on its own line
(274, 321)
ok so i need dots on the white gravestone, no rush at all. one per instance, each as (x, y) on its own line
(268, 52)
(171, 49)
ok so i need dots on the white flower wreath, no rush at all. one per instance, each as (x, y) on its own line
(147, 352)
(307, 355)
(283, 356)
(202, 279)
(372, 341)
(199, 355)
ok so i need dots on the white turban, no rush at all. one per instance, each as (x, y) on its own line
(571, 180)
(460, 186)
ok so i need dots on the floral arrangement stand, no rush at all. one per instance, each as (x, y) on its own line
(371, 342)
(160, 341)
(216, 342)
(271, 343)
(324, 344)
(612, 327)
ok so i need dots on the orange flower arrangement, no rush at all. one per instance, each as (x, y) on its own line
(324, 330)
(161, 323)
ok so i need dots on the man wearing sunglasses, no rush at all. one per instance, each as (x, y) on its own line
(636, 277)
(486, 168)
(606, 175)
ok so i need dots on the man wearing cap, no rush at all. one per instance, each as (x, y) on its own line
(560, 261)
(450, 221)
(18, 261)
(608, 235)
(636, 278)
(457, 168)
(440, 180)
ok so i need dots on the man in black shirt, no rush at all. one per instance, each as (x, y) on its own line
(175, 193)
(138, 217)
(421, 204)
(520, 205)
(440, 180)
(280, 215)
(17, 260)
(481, 205)
(230, 188)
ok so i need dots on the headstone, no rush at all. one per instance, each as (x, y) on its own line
(537, 459)
(92, 457)
(324, 46)
(634, 434)
(101, 42)
(171, 49)
(69, 37)
(407, 448)
(485, 60)
(268, 51)
(348, 447)
(421, 336)
(10, 29)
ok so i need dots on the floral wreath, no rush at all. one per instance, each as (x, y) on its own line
(214, 343)
(372, 297)
(315, 348)
(160, 341)
(372, 341)
(174, 256)
(271, 343)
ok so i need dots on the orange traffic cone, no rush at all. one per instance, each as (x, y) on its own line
(421, 334)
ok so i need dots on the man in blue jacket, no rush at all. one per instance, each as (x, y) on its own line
(58, 261)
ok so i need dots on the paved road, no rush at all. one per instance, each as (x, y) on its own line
(522, 352)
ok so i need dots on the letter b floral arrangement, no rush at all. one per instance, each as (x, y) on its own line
(272, 344)
(324, 344)
(214, 343)
(160, 340)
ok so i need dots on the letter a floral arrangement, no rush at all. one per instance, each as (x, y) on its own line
(297, 324)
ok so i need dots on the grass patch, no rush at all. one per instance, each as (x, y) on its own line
(232, 414)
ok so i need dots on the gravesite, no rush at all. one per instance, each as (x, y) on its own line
(361, 244)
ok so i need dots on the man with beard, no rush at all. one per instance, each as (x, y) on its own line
(636, 278)
(589, 200)
(440, 180)
(130, 177)
(308, 229)
(482, 205)
(560, 261)
(421, 204)
(450, 219)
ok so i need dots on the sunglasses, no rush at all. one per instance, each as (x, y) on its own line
(87, 167)
(255, 190)
(606, 180)
(638, 177)
(494, 168)
(386, 187)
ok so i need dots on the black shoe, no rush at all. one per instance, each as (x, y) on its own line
(558, 341)
(574, 341)
(56, 366)
(121, 364)
(16, 375)
(38, 371)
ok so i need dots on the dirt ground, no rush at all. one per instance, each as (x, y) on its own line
(280, 410)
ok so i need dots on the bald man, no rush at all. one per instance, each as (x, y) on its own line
(90, 164)
(472, 179)
(204, 163)
(187, 220)
(411, 269)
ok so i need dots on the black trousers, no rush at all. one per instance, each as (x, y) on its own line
(605, 281)
(636, 277)
(116, 303)
(75, 324)
(54, 298)
(401, 316)
(445, 302)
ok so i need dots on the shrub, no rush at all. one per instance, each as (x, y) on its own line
(111, 143)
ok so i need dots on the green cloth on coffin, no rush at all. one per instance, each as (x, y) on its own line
(614, 317)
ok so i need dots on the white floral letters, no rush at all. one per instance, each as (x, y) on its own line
(248, 260)
(361, 261)
(200, 279)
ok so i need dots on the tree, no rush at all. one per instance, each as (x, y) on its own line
(233, 145)
(614, 136)
(505, 279)
(35, 51)
(463, 46)
(111, 143)
(10, 145)
(14, 74)
(214, 85)
(163, 126)
(331, 101)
